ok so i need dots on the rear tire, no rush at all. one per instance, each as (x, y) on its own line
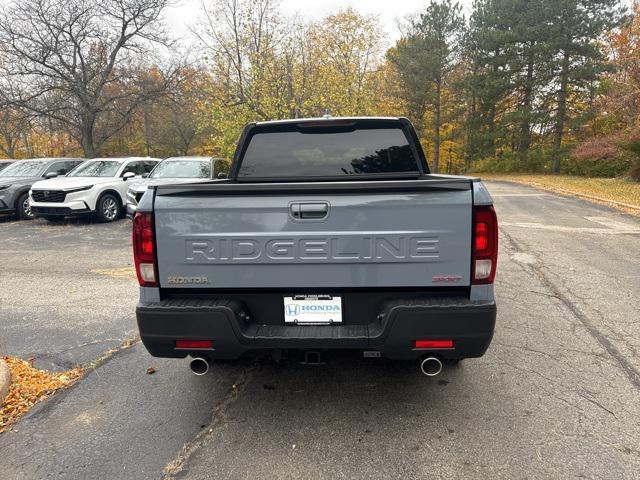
(23, 209)
(108, 208)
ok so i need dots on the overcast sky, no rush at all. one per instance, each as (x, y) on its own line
(186, 12)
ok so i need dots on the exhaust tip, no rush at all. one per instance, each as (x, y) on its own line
(199, 366)
(431, 366)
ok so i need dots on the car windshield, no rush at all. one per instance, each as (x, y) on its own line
(327, 152)
(29, 168)
(97, 168)
(182, 169)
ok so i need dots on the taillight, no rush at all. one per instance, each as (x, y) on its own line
(144, 250)
(485, 245)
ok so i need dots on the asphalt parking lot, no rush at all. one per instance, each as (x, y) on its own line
(556, 396)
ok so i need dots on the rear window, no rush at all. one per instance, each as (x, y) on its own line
(327, 153)
(183, 169)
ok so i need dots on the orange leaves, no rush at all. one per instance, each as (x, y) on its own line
(29, 386)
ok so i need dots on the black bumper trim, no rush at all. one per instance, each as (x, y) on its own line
(59, 211)
(469, 324)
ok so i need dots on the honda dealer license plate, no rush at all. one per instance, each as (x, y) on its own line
(312, 310)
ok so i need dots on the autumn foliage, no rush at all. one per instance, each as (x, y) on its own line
(516, 85)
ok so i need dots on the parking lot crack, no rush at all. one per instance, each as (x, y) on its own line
(629, 370)
(218, 419)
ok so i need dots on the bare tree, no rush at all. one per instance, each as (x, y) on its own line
(74, 61)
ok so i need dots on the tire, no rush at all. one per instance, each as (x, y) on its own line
(23, 209)
(108, 208)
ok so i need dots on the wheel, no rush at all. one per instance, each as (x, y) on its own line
(23, 208)
(108, 209)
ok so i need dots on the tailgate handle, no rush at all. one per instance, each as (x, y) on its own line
(309, 211)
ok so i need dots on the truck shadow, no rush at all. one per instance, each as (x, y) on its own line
(364, 394)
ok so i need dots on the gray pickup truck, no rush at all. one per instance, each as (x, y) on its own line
(329, 234)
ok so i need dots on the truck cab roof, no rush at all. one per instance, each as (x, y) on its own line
(328, 119)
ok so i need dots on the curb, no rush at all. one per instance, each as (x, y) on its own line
(547, 188)
(5, 380)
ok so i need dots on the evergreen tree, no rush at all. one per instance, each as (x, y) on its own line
(426, 57)
(487, 83)
(578, 60)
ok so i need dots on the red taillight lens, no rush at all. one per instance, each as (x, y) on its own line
(195, 344)
(434, 344)
(482, 236)
(144, 246)
(485, 245)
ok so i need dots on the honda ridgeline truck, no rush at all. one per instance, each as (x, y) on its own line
(327, 234)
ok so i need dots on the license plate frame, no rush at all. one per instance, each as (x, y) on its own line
(312, 310)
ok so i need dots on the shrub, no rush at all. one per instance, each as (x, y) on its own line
(599, 157)
(536, 161)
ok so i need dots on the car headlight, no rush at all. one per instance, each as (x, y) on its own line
(4, 187)
(79, 189)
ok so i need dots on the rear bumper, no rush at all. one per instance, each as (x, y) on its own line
(393, 332)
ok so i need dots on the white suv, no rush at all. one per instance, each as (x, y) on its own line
(97, 187)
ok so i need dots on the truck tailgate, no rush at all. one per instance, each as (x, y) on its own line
(414, 233)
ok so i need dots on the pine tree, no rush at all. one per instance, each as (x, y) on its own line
(426, 57)
(575, 29)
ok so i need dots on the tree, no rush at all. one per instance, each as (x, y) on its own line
(74, 61)
(426, 56)
(575, 29)
(265, 66)
(15, 124)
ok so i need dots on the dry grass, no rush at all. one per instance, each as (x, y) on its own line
(604, 190)
(30, 386)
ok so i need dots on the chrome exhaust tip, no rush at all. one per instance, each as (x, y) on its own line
(431, 366)
(199, 366)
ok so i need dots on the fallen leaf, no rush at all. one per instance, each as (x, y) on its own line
(151, 371)
(30, 385)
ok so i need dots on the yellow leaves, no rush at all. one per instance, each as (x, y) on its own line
(29, 386)
(328, 65)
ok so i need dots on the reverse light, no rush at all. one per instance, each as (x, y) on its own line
(485, 245)
(194, 344)
(434, 344)
(144, 245)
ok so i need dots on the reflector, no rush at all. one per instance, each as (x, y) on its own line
(194, 344)
(434, 344)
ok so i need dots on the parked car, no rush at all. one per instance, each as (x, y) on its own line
(329, 234)
(173, 170)
(17, 178)
(98, 187)
(5, 163)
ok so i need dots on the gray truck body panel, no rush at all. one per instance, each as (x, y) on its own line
(409, 239)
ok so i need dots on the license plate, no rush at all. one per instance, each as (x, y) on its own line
(312, 310)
